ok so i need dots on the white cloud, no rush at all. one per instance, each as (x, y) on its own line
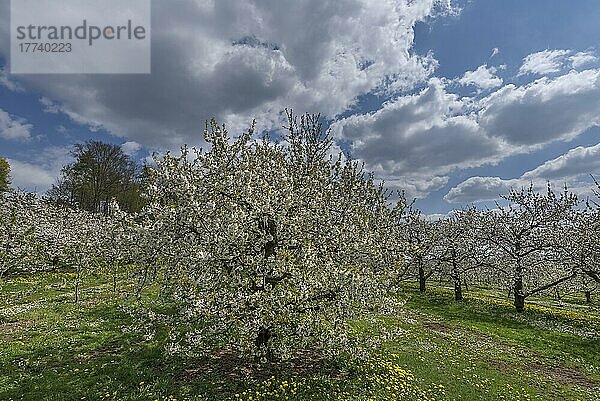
(576, 162)
(544, 62)
(237, 60)
(49, 106)
(41, 169)
(581, 59)
(413, 185)
(242, 59)
(130, 147)
(427, 132)
(477, 189)
(52, 107)
(30, 177)
(8, 83)
(13, 128)
(483, 77)
(415, 141)
(543, 111)
(572, 168)
(437, 216)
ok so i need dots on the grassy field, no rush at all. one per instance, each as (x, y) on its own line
(479, 349)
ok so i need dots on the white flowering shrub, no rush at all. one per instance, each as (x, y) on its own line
(266, 248)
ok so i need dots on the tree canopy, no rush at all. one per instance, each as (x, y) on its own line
(266, 247)
(100, 173)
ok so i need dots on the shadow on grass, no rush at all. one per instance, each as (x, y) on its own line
(81, 352)
(574, 339)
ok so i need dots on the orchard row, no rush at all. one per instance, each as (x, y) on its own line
(266, 248)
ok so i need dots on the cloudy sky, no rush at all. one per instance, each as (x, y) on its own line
(452, 101)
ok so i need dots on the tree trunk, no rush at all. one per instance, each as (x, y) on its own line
(77, 285)
(267, 225)
(262, 338)
(519, 302)
(421, 277)
(262, 341)
(518, 287)
(458, 296)
(457, 280)
(115, 281)
(588, 297)
(518, 294)
(78, 269)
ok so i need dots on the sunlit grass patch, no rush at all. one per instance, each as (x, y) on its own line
(478, 349)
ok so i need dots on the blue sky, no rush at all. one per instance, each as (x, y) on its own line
(452, 102)
(516, 28)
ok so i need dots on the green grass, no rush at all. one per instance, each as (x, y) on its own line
(478, 349)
